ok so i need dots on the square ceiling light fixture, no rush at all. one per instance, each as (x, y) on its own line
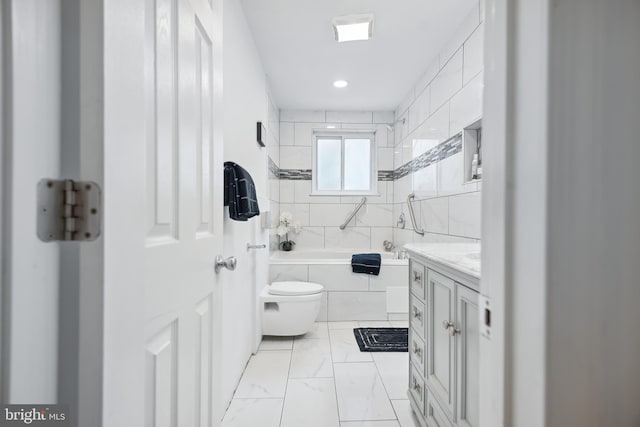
(353, 27)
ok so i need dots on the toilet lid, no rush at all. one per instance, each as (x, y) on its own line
(294, 288)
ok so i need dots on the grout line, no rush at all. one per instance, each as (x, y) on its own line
(286, 385)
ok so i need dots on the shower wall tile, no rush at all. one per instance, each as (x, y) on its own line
(386, 117)
(299, 211)
(470, 23)
(286, 133)
(464, 215)
(419, 110)
(450, 175)
(330, 214)
(430, 73)
(350, 237)
(295, 157)
(466, 105)
(447, 82)
(303, 132)
(379, 235)
(309, 238)
(385, 158)
(455, 84)
(374, 215)
(434, 214)
(286, 190)
(473, 55)
(425, 181)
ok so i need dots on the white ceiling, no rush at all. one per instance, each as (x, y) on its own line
(302, 59)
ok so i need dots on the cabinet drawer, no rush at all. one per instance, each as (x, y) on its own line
(417, 316)
(434, 415)
(416, 351)
(416, 388)
(417, 279)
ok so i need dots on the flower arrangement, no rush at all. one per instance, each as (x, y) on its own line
(286, 226)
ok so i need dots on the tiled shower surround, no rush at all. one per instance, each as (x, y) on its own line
(421, 155)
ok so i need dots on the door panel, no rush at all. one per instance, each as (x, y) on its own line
(184, 170)
(468, 356)
(441, 363)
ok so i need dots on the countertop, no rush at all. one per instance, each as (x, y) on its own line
(464, 257)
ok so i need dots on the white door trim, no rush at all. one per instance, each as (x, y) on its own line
(514, 220)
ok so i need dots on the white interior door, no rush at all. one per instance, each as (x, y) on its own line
(183, 210)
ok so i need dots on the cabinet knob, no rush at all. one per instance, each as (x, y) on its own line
(454, 331)
(417, 277)
(416, 386)
(416, 350)
(417, 314)
(447, 324)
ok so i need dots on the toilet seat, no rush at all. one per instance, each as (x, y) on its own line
(294, 288)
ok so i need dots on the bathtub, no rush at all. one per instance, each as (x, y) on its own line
(348, 296)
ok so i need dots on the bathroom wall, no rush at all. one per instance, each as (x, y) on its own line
(320, 216)
(246, 101)
(445, 99)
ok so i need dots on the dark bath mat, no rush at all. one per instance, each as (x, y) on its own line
(382, 339)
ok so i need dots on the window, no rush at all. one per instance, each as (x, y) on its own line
(344, 164)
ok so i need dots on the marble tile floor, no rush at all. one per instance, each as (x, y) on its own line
(321, 379)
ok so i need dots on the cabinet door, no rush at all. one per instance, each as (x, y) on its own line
(467, 321)
(416, 278)
(441, 343)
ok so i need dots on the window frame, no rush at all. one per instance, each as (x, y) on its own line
(343, 134)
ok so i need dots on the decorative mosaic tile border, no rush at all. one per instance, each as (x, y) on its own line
(440, 152)
(385, 175)
(295, 174)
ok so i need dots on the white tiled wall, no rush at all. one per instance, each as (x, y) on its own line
(445, 99)
(347, 296)
(320, 216)
(273, 150)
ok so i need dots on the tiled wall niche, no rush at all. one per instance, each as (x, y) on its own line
(446, 99)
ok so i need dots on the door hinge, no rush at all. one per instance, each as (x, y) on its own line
(68, 210)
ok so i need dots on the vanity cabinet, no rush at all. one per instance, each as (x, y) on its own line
(443, 344)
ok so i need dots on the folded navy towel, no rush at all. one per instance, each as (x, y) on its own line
(366, 263)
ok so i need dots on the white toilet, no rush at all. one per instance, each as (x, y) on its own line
(290, 308)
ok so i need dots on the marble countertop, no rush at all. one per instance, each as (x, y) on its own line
(464, 257)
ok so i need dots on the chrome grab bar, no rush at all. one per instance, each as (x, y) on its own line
(355, 211)
(412, 214)
(250, 246)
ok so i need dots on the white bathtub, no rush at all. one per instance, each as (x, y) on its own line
(329, 257)
(348, 295)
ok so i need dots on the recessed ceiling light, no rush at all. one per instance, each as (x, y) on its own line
(353, 27)
(340, 83)
(331, 127)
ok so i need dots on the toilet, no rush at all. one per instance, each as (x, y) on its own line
(290, 308)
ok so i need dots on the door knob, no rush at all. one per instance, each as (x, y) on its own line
(229, 263)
